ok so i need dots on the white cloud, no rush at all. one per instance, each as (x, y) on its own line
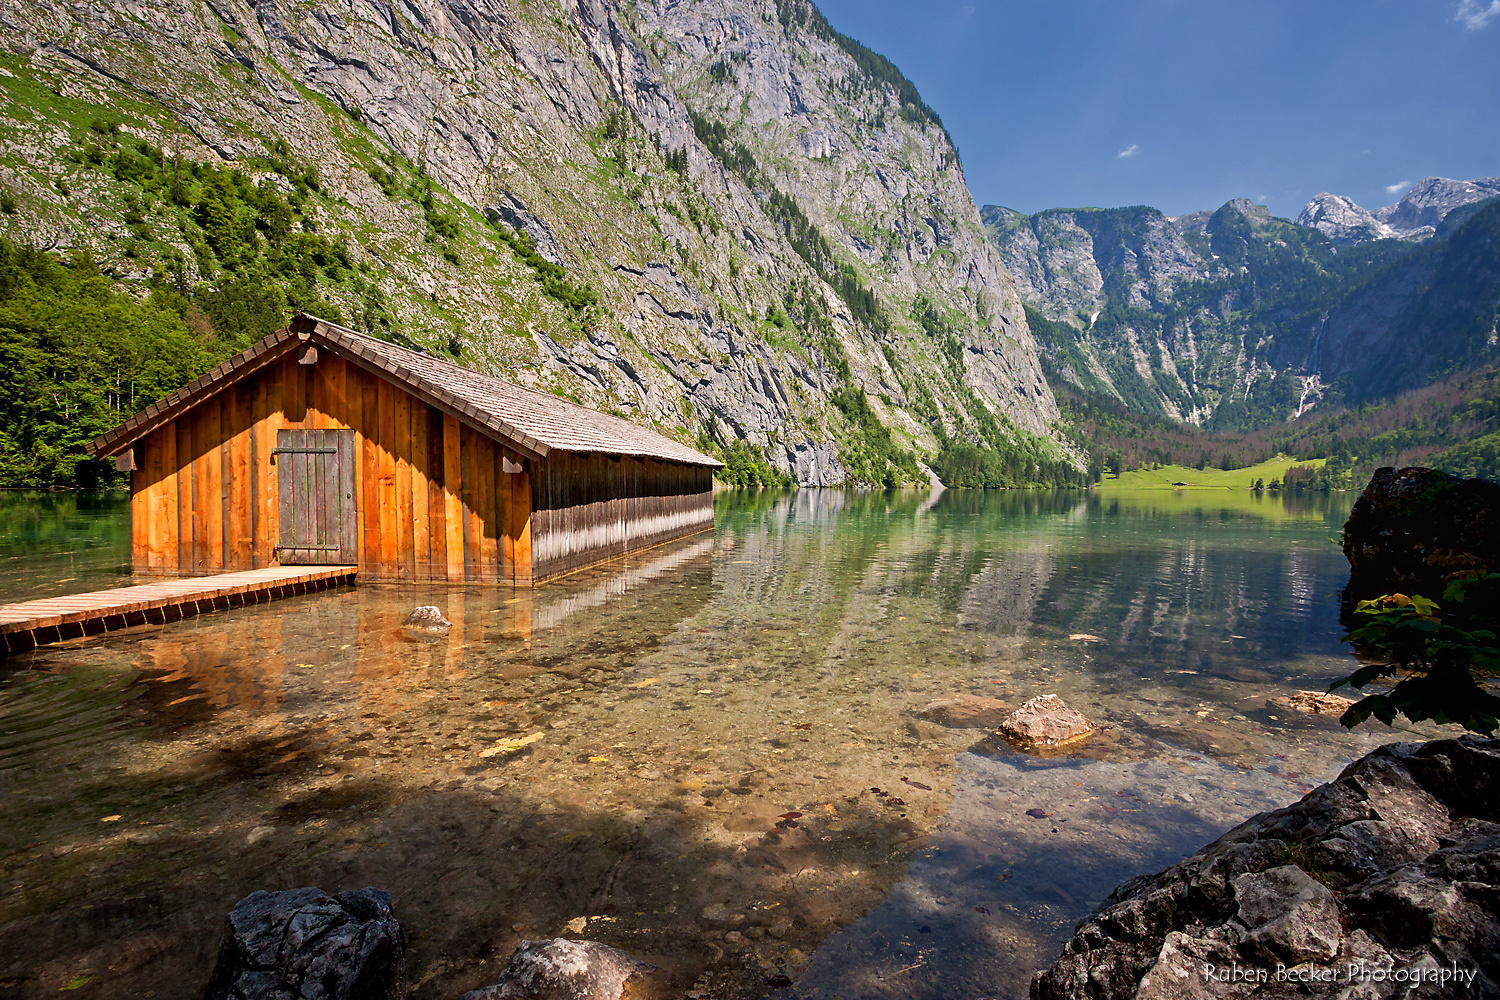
(1475, 14)
(1134, 148)
(1399, 186)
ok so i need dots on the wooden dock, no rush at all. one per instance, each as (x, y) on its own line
(53, 619)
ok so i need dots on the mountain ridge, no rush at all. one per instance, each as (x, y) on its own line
(1415, 217)
(1235, 318)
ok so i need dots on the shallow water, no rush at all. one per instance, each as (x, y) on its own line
(712, 754)
(55, 543)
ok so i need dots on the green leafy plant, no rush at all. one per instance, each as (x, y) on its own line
(1443, 655)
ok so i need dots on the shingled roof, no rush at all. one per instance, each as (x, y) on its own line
(536, 423)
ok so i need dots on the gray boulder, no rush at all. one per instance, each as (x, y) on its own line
(427, 617)
(1394, 865)
(303, 944)
(560, 969)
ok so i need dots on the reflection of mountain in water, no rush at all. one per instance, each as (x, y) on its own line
(1170, 583)
(1003, 597)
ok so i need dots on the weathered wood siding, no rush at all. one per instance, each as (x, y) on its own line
(591, 507)
(433, 502)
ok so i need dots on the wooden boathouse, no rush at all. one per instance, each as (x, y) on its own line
(322, 446)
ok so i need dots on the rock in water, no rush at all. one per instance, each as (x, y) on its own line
(427, 617)
(1045, 721)
(1312, 702)
(963, 711)
(1409, 530)
(1392, 865)
(563, 970)
(303, 944)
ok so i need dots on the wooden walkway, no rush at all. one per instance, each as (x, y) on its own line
(53, 619)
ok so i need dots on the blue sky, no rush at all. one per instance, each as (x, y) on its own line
(1184, 105)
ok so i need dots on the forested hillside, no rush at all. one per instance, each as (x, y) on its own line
(76, 356)
(1453, 424)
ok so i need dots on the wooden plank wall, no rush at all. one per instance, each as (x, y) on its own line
(586, 508)
(434, 502)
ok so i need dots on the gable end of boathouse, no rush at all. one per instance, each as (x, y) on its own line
(322, 446)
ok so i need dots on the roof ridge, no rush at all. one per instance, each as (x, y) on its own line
(534, 422)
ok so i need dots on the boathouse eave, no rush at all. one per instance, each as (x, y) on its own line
(488, 405)
(349, 346)
(275, 347)
(179, 401)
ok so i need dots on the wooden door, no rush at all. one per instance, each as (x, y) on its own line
(315, 476)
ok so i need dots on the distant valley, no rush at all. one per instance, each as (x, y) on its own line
(1233, 319)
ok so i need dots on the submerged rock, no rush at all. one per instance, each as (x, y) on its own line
(1409, 530)
(560, 969)
(1394, 865)
(963, 711)
(1312, 702)
(427, 617)
(302, 944)
(1045, 721)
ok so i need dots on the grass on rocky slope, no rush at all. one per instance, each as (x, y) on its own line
(1164, 477)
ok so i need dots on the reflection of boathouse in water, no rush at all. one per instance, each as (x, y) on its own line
(319, 445)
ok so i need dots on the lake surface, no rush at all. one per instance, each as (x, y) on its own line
(713, 754)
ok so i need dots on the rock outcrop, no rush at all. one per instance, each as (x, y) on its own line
(1342, 221)
(1411, 529)
(1044, 722)
(1394, 866)
(303, 944)
(560, 969)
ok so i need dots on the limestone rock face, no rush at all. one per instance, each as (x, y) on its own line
(303, 943)
(1196, 310)
(1073, 265)
(573, 122)
(1045, 721)
(878, 176)
(1287, 915)
(1413, 527)
(560, 969)
(1392, 864)
(1342, 221)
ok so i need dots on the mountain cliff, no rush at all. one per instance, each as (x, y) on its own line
(1233, 319)
(566, 196)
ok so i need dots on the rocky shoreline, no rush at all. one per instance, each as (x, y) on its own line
(1384, 882)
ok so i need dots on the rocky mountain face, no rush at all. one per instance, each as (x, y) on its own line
(720, 218)
(1415, 217)
(1234, 318)
(1144, 307)
(832, 126)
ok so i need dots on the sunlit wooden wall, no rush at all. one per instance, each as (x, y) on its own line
(435, 501)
